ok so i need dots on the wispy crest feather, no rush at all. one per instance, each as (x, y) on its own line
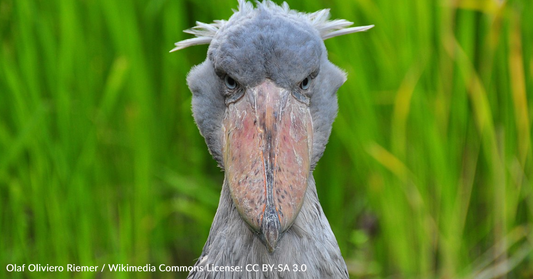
(205, 32)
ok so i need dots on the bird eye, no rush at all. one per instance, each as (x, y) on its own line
(304, 85)
(230, 82)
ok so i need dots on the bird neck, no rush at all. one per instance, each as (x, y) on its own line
(309, 244)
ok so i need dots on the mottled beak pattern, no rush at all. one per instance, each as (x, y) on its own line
(267, 148)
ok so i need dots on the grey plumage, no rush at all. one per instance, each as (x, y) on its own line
(273, 43)
(309, 242)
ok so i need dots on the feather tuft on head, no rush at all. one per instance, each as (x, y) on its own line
(327, 29)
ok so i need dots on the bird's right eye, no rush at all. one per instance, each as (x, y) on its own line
(230, 82)
(233, 91)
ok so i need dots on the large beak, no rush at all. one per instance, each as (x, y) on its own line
(267, 149)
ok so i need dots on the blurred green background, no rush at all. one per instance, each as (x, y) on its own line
(428, 172)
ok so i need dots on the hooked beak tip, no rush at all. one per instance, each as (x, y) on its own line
(271, 229)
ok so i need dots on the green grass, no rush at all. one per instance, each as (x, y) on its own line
(428, 173)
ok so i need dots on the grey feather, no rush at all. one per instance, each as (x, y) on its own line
(330, 34)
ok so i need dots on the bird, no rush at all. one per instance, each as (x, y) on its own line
(265, 100)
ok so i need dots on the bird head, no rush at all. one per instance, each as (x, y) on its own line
(265, 100)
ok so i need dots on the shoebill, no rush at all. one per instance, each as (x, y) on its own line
(265, 100)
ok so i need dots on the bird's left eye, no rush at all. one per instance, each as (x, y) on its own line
(304, 85)
(230, 82)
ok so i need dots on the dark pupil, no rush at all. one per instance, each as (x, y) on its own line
(305, 82)
(230, 82)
